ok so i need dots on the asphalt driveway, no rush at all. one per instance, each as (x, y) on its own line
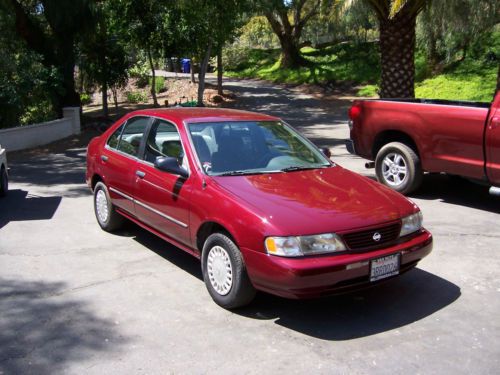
(75, 299)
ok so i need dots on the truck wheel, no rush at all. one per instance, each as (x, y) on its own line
(398, 167)
(105, 212)
(4, 182)
(224, 272)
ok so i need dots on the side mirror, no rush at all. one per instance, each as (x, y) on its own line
(170, 165)
(326, 151)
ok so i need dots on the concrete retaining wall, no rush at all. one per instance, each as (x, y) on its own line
(24, 137)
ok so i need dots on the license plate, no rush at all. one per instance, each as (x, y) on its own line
(385, 267)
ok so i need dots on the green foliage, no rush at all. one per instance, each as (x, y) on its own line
(85, 98)
(159, 84)
(135, 97)
(357, 63)
(368, 91)
(39, 111)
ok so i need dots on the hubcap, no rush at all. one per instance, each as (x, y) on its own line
(220, 271)
(101, 204)
(394, 169)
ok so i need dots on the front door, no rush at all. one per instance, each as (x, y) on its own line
(162, 199)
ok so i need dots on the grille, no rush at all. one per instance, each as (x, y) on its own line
(365, 239)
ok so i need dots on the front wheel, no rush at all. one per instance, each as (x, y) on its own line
(4, 182)
(398, 166)
(224, 272)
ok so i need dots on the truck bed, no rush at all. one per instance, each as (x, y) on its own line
(455, 103)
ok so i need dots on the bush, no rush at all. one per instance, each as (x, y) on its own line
(135, 97)
(140, 71)
(159, 84)
(40, 112)
(85, 98)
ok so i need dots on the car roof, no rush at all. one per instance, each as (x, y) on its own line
(200, 114)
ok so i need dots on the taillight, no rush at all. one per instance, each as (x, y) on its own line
(354, 111)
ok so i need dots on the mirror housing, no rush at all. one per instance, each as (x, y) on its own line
(170, 165)
(326, 151)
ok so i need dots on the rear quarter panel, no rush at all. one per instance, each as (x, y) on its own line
(448, 138)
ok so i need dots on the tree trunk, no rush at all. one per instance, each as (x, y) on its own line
(201, 75)
(105, 111)
(153, 79)
(397, 49)
(220, 91)
(115, 97)
(193, 79)
(290, 53)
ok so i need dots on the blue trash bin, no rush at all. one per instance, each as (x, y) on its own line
(186, 66)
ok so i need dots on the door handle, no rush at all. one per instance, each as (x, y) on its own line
(140, 174)
(104, 158)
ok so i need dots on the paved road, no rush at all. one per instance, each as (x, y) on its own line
(74, 299)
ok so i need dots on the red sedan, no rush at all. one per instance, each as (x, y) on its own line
(259, 204)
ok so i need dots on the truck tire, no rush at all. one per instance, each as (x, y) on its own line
(398, 167)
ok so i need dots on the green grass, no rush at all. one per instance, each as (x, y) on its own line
(358, 64)
(344, 62)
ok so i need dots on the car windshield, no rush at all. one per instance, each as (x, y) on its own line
(252, 147)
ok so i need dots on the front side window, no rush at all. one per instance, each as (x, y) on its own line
(250, 147)
(163, 140)
(132, 134)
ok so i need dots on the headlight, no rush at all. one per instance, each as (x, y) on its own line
(411, 224)
(304, 245)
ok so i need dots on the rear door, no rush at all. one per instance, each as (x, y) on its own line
(492, 143)
(163, 199)
(119, 161)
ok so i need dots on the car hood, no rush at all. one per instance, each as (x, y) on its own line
(317, 201)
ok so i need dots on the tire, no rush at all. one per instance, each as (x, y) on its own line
(4, 182)
(398, 167)
(232, 288)
(105, 211)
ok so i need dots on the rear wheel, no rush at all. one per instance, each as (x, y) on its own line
(105, 211)
(398, 167)
(224, 272)
(4, 182)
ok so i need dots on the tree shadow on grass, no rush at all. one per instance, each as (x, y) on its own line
(40, 333)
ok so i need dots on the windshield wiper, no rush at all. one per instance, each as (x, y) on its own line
(240, 173)
(299, 168)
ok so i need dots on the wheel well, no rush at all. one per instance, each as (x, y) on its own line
(95, 179)
(392, 136)
(206, 230)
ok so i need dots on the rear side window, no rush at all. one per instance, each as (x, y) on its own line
(131, 136)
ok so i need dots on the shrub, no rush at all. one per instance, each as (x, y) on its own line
(159, 84)
(40, 112)
(85, 98)
(135, 97)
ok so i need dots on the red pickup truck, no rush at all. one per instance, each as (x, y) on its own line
(406, 138)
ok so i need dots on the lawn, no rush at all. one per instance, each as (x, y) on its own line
(358, 65)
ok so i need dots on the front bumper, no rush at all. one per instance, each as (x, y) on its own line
(318, 276)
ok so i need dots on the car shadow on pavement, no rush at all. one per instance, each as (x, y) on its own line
(167, 251)
(19, 205)
(43, 333)
(396, 303)
(458, 191)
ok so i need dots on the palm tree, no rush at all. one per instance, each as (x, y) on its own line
(397, 21)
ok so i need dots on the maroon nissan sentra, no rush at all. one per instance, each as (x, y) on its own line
(259, 204)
